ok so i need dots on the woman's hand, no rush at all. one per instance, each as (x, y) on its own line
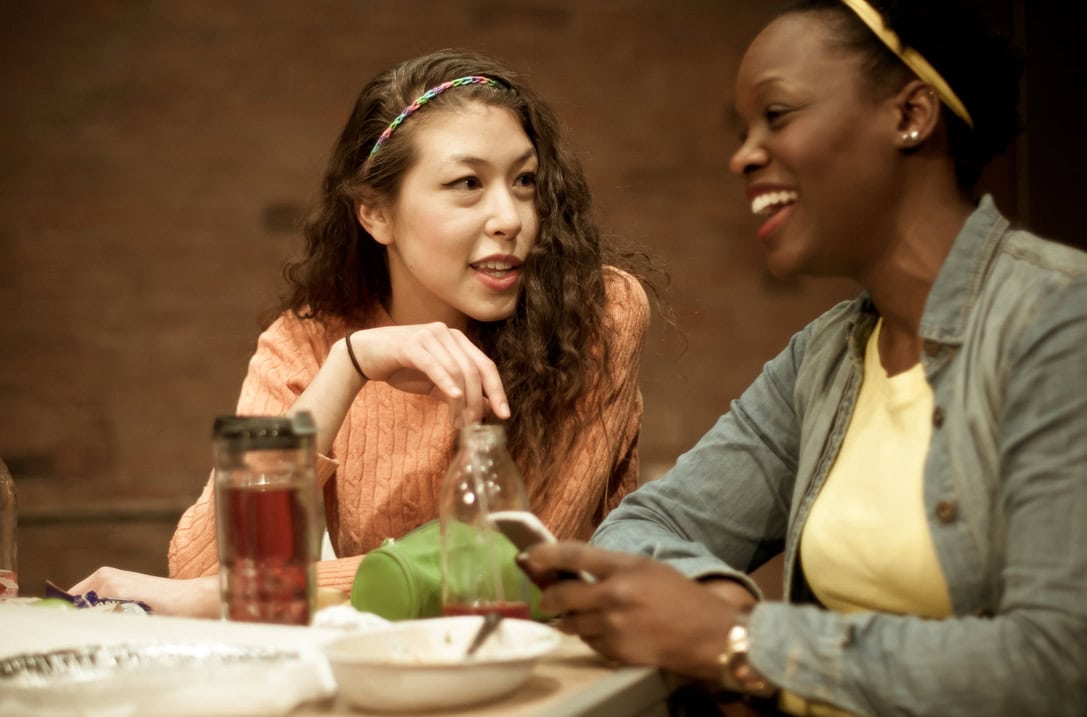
(428, 359)
(639, 611)
(196, 597)
(433, 359)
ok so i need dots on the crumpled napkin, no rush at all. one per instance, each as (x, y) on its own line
(348, 618)
(160, 679)
(147, 679)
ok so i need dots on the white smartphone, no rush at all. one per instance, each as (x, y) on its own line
(524, 530)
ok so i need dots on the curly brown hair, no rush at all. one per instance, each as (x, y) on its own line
(551, 351)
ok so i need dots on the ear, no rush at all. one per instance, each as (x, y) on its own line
(919, 111)
(376, 221)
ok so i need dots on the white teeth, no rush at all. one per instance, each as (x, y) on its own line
(493, 266)
(771, 201)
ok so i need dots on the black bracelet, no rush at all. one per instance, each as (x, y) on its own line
(354, 361)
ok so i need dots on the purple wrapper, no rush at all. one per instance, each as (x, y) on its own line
(90, 598)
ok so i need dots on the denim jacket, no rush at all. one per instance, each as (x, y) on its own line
(1005, 493)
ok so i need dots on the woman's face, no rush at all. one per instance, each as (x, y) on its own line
(464, 219)
(815, 149)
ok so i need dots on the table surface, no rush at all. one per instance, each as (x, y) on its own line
(571, 681)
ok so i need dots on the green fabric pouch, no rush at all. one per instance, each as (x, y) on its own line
(402, 579)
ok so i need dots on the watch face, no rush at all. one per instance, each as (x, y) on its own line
(737, 674)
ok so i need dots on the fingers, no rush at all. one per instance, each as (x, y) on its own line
(81, 587)
(575, 556)
(586, 625)
(477, 376)
(96, 581)
(450, 371)
(460, 350)
(456, 368)
(490, 380)
(608, 640)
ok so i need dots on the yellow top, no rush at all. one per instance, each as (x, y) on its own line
(866, 544)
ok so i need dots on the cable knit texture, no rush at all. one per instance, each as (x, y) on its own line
(386, 464)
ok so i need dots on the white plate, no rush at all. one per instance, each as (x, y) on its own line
(420, 664)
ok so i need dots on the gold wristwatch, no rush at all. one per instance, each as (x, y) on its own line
(737, 674)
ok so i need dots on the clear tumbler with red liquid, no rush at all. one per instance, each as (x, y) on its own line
(267, 517)
(478, 572)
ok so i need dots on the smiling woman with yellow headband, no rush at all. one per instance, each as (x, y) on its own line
(919, 454)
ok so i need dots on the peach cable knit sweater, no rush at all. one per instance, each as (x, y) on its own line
(386, 464)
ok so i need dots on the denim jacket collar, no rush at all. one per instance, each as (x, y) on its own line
(955, 292)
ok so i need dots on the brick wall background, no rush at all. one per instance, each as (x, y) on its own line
(156, 156)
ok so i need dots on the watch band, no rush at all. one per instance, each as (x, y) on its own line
(737, 673)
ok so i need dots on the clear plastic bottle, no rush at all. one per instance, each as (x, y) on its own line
(9, 558)
(478, 572)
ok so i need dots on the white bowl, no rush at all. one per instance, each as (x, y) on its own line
(420, 664)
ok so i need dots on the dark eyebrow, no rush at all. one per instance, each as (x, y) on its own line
(529, 154)
(474, 161)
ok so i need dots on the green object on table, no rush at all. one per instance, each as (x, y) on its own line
(55, 603)
(402, 579)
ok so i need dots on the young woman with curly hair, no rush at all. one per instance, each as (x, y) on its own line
(452, 273)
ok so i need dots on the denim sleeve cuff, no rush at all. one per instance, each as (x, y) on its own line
(800, 649)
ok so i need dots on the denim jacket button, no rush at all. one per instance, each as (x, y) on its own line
(931, 348)
(985, 613)
(947, 511)
(938, 417)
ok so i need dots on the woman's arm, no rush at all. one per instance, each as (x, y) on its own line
(723, 508)
(429, 359)
(294, 369)
(287, 358)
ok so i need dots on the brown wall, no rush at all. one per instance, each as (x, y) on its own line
(156, 157)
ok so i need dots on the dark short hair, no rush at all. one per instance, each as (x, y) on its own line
(981, 67)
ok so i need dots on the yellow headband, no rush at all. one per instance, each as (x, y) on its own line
(913, 59)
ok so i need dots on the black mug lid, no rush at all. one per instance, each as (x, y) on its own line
(265, 432)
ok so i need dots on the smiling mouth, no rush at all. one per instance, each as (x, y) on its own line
(497, 269)
(771, 203)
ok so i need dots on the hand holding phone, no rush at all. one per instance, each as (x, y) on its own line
(524, 530)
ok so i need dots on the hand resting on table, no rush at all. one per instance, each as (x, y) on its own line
(195, 597)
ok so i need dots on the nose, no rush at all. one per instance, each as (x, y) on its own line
(504, 216)
(748, 157)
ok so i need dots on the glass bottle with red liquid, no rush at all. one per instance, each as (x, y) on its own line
(9, 558)
(267, 517)
(478, 573)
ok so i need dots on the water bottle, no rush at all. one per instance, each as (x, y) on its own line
(478, 572)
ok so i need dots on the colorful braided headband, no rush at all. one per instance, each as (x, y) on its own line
(912, 58)
(427, 97)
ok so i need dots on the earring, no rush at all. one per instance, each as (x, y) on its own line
(911, 137)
